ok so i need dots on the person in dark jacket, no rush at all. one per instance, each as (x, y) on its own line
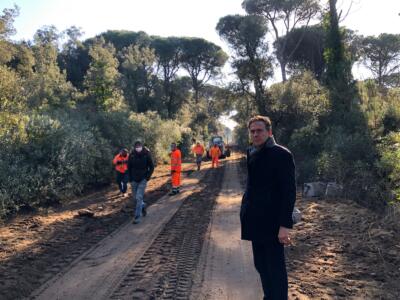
(140, 169)
(267, 206)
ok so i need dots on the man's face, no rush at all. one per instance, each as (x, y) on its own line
(258, 133)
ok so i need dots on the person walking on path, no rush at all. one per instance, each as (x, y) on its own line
(140, 169)
(198, 151)
(215, 153)
(120, 162)
(267, 206)
(176, 165)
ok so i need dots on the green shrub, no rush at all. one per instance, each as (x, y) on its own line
(389, 163)
(306, 144)
(157, 134)
(391, 119)
(54, 158)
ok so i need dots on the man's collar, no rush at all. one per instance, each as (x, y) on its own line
(269, 143)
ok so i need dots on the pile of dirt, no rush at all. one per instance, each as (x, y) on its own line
(343, 250)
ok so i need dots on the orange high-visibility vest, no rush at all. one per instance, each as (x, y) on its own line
(121, 167)
(215, 152)
(199, 150)
(176, 160)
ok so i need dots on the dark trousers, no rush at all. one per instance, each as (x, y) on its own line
(122, 180)
(269, 260)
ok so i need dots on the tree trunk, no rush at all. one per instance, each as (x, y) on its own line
(283, 70)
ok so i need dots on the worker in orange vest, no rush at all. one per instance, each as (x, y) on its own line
(215, 153)
(120, 162)
(175, 169)
(198, 151)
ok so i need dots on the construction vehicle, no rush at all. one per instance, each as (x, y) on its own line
(217, 139)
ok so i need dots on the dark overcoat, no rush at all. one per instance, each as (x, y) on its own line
(270, 193)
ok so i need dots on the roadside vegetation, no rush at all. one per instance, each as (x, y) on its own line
(67, 105)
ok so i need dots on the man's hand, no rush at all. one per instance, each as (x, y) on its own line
(283, 236)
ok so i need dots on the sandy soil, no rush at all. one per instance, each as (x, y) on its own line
(95, 274)
(344, 251)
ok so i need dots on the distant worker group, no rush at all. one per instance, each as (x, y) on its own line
(137, 167)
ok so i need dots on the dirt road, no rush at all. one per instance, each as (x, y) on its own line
(226, 267)
(154, 259)
(95, 273)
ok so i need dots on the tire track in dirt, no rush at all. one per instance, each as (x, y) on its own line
(166, 269)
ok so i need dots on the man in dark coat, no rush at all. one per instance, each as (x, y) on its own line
(140, 169)
(267, 206)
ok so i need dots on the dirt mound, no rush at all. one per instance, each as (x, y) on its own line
(343, 250)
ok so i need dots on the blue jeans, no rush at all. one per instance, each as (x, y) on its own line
(138, 195)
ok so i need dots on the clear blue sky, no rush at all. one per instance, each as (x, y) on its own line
(174, 17)
(156, 17)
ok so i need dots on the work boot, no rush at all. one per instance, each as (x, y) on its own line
(173, 192)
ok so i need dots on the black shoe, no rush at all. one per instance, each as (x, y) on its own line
(172, 193)
(144, 211)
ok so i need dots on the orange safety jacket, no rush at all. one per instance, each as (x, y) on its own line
(199, 150)
(176, 160)
(121, 163)
(215, 152)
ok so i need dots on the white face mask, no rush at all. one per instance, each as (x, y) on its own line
(139, 149)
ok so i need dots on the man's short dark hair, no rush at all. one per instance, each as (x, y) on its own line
(259, 118)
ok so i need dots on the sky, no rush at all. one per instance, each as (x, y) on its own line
(175, 17)
(194, 18)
